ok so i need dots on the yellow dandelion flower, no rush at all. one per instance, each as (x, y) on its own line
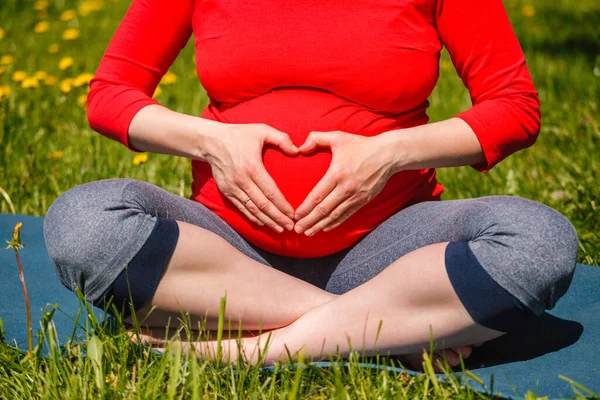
(50, 80)
(70, 34)
(1, 33)
(7, 59)
(528, 10)
(169, 78)
(5, 91)
(19, 76)
(83, 79)
(30, 83)
(2, 70)
(87, 6)
(56, 155)
(41, 27)
(65, 63)
(40, 75)
(157, 92)
(40, 5)
(53, 48)
(15, 242)
(140, 158)
(65, 85)
(67, 15)
(82, 101)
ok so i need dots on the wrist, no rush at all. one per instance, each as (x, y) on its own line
(448, 143)
(157, 129)
(208, 139)
(397, 151)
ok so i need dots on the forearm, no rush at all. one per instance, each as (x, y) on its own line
(157, 129)
(448, 143)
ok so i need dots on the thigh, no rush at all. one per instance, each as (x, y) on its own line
(525, 246)
(409, 229)
(157, 202)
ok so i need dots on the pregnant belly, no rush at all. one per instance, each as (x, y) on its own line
(297, 112)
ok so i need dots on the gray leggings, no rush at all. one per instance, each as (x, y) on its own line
(522, 248)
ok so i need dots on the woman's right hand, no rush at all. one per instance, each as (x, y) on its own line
(235, 156)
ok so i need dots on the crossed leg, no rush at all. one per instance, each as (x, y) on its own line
(204, 268)
(301, 317)
(397, 274)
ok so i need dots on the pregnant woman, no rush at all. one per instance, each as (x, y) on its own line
(315, 207)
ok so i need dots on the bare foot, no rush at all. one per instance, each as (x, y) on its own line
(415, 361)
(157, 337)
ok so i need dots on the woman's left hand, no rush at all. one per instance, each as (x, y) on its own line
(359, 169)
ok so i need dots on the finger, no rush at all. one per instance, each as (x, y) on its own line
(338, 215)
(316, 139)
(258, 204)
(240, 206)
(323, 210)
(325, 186)
(262, 217)
(276, 206)
(345, 215)
(281, 140)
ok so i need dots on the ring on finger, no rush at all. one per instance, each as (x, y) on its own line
(247, 200)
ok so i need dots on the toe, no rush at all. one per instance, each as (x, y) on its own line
(464, 351)
(451, 356)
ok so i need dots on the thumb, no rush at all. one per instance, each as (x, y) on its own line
(281, 140)
(317, 139)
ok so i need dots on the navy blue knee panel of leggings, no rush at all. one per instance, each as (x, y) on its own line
(137, 283)
(488, 303)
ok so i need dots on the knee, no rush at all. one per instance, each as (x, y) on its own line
(551, 244)
(76, 225)
(60, 231)
(66, 232)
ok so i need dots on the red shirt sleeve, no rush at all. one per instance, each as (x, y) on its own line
(148, 40)
(487, 56)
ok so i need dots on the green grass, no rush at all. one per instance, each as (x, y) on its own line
(46, 147)
(107, 365)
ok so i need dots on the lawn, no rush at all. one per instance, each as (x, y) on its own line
(50, 49)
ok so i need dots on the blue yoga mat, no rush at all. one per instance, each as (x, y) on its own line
(565, 341)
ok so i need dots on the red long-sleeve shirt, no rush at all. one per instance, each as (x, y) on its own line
(363, 67)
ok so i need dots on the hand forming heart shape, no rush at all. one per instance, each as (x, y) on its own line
(359, 169)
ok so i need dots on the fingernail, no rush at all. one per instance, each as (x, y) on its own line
(309, 233)
(289, 227)
(279, 229)
(298, 229)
